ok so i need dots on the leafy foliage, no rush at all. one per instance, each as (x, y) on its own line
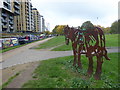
(47, 32)
(87, 25)
(114, 27)
(58, 29)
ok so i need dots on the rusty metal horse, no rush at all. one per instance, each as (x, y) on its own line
(88, 42)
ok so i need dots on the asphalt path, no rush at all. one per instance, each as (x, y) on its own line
(24, 55)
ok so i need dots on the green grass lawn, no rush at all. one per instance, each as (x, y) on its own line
(59, 73)
(111, 41)
(52, 42)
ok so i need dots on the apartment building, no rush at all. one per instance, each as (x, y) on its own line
(47, 26)
(24, 20)
(43, 24)
(8, 9)
(19, 16)
(37, 20)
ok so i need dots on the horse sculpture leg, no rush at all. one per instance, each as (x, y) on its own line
(90, 68)
(74, 63)
(75, 55)
(98, 72)
(79, 57)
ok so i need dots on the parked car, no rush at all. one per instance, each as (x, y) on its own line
(23, 40)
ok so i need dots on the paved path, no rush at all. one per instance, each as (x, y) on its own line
(13, 52)
(24, 55)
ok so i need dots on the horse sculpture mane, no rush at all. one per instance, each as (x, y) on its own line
(88, 42)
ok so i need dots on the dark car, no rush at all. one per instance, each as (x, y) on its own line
(23, 40)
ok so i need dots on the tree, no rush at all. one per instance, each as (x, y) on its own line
(119, 26)
(114, 27)
(47, 32)
(107, 30)
(54, 30)
(58, 29)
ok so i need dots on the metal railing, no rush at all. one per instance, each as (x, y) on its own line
(11, 22)
(17, 7)
(17, 2)
(11, 17)
(17, 12)
(4, 21)
(3, 14)
(4, 26)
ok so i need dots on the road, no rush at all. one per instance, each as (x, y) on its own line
(24, 55)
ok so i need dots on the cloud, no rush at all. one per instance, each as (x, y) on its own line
(75, 12)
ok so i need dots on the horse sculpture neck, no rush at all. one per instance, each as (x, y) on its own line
(72, 34)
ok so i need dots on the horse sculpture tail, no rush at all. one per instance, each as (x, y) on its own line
(102, 37)
(102, 43)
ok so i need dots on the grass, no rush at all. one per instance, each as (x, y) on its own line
(9, 80)
(111, 41)
(59, 73)
(52, 42)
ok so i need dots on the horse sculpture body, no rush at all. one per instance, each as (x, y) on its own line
(89, 42)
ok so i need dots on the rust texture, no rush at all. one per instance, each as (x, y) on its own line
(90, 42)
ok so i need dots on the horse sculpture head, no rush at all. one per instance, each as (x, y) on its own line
(66, 33)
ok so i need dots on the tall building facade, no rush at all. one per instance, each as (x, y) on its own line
(20, 16)
(47, 26)
(24, 20)
(43, 24)
(16, 9)
(8, 9)
(37, 20)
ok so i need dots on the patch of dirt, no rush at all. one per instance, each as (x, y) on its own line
(25, 71)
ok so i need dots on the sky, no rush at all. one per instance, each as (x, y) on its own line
(76, 12)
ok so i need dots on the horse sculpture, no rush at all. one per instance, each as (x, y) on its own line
(88, 42)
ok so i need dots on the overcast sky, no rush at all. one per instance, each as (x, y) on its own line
(75, 12)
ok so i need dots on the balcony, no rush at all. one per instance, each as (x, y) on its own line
(6, 2)
(27, 19)
(4, 15)
(6, 5)
(27, 12)
(17, 2)
(17, 12)
(17, 7)
(4, 26)
(4, 21)
(11, 28)
(11, 17)
(28, 23)
(11, 23)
